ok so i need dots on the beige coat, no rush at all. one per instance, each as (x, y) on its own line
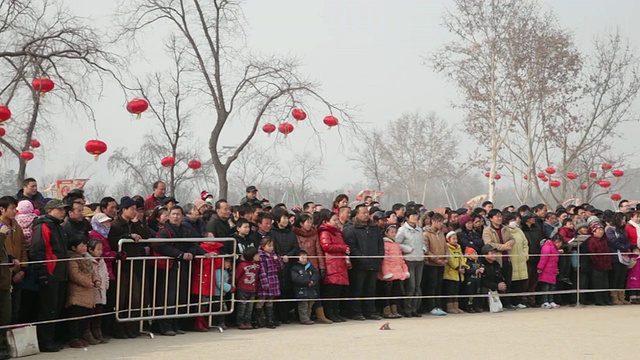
(490, 236)
(436, 246)
(81, 282)
(519, 255)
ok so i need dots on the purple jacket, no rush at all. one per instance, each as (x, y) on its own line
(269, 285)
(549, 263)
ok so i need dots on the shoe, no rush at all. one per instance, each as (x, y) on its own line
(600, 304)
(4, 355)
(201, 325)
(438, 312)
(554, 305)
(470, 310)
(373, 317)
(50, 348)
(415, 314)
(394, 312)
(321, 318)
(479, 310)
(168, 333)
(566, 281)
(337, 314)
(182, 332)
(87, 336)
(521, 306)
(510, 307)
(546, 306)
(77, 344)
(307, 322)
(358, 317)
(386, 312)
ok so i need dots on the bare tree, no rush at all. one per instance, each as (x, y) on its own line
(304, 170)
(369, 158)
(254, 166)
(233, 84)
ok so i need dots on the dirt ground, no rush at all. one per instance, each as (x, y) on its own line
(565, 333)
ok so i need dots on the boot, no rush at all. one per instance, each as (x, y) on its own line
(255, 318)
(88, 337)
(450, 309)
(394, 312)
(97, 334)
(337, 314)
(271, 324)
(201, 324)
(332, 316)
(622, 299)
(456, 307)
(320, 317)
(614, 298)
(386, 312)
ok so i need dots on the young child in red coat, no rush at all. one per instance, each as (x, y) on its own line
(204, 281)
(247, 281)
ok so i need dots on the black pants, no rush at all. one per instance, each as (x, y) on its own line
(393, 288)
(244, 305)
(167, 289)
(600, 280)
(332, 291)
(618, 276)
(5, 317)
(16, 300)
(519, 286)
(507, 273)
(452, 289)
(364, 285)
(52, 299)
(471, 288)
(432, 286)
(77, 327)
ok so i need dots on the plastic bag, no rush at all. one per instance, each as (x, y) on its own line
(22, 341)
(495, 305)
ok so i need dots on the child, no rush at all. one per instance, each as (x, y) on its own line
(81, 294)
(246, 276)
(204, 278)
(269, 285)
(94, 332)
(633, 277)
(223, 287)
(492, 278)
(548, 270)
(243, 228)
(453, 273)
(472, 277)
(393, 272)
(600, 264)
(305, 278)
(25, 216)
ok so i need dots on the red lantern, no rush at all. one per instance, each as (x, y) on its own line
(606, 166)
(5, 113)
(95, 148)
(572, 176)
(3, 132)
(604, 183)
(544, 179)
(497, 177)
(541, 175)
(194, 165)
(526, 177)
(550, 170)
(285, 128)
(26, 156)
(299, 114)
(616, 197)
(137, 106)
(554, 183)
(330, 121)
(34, 143)
(268, 128)
(43, 85)
(593, 175)
(487, 174)
(618, 173)
(584, 187)
(168, 161)
(0, 153)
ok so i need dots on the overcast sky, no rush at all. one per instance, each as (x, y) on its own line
(367, 53)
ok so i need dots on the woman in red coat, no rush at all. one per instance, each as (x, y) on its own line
(336, 279)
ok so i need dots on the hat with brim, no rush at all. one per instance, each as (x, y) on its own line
(101, 217)
(251, 189)
(87, 212)
(169, 199)
(55, 204)
(488, 248)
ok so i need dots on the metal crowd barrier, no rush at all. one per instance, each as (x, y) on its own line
(161, 287)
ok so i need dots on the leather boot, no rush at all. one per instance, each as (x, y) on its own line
(386, 312)
(200, 324)
(320, 317)
(88, 337)
(456, 307)
(271, 324)
(614, 298)
(394, 312)
(450, 309)
(97, 334)
(255, 318)
(622, 299)
(332, 316)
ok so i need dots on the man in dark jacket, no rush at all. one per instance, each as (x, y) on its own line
(156, 198)
(534, 235)
(219, 224)
(364, 239)
(251, 196)
(50, 243)
(30, 192)
(76, 226)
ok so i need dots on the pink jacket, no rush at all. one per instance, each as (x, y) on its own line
(393, 265)
(549, 262)
(633, 276)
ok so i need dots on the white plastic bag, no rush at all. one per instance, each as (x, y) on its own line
(23, 341)
(495, 305)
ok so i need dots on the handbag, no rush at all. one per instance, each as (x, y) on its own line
(495, 305)
(623, 259)
(23, 341)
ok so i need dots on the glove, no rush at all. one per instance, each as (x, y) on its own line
(121, 256)
(323, 272)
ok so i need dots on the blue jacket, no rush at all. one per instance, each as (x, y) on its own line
(301, 276)
(222, 281)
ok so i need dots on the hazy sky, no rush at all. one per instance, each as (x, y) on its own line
(367, 53)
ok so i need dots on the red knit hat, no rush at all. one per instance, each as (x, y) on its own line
(469, 250)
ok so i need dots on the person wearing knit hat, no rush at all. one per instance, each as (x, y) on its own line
(593, 219)
(468, 235)
(600, 264)
(202, 205)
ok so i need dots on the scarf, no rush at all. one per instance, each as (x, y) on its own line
(100, 227)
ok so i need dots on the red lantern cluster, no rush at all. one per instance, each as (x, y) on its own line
(194, 165)
(298, 114)
(26, 156)
(606, 166)
(555, 183)
(550, 170)
(95, 148)
(330, 121)
(5, 113)
(617, 173)
(168, 161)
(616, 197)
(572, 176)
(43, 85)
(285, 128)
(269, 128)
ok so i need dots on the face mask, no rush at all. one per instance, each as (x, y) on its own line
(513, 224)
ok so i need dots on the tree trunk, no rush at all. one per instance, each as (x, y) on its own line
(21, 172)
(223, 182)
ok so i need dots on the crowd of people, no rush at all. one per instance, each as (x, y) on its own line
(59, 260)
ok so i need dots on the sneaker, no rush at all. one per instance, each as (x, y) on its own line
(77, 343)
(521, 306)
(554, 305)
(358, 317)
(307, 322)
(510, 307)
(438, 312)
(546, 306)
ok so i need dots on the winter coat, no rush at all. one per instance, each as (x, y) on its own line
(411, 242)
(618, 241)
(490, 236)
(5, 271)
(15, 243)
(222, 281)
(122, 229)
(534, 237)
(334, 248)
(548, 263)
(567, 234)
(633, 276)
(365, 239)
(470, 238)
(285, 243)
(175, 250)
(108, 254)
(102, 274)
(49, 243)
(77, 229)
(471, 274)
(310, 242)
(205, 270)
(220, 228)
(454, 263)
(633, 230)
(37, 200)
(492, 275)
(197, 228)
(250, 201)
(245, 242)
(26, 224)
(301, 276)
(597, 245)
(519, 255)
(247, 274)
(269, 284)
(151, 202)
(81, 290)
(393, 265)
(436, 246)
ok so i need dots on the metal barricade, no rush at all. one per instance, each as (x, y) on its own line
(160, 287)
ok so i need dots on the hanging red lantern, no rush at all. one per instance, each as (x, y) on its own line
(526, 177)
(330, 121)
(285, 128)
(618, 173)
(137, 106)
(604, 183)
(168, 161)
(5, 113)
(299, 114)
(26, 156)
(487, 174)
(616, 197)
(3, 132)
(95, 148)
(544, 179)
(0, 153)
(34, 143)
(606, 166)
(194, 165)
(593, 175)
(555, 183)
(550, 170)
(497, 177)
(43, 85)
(541, 175)
(584, 187)
(572, 176)
(269, 128)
